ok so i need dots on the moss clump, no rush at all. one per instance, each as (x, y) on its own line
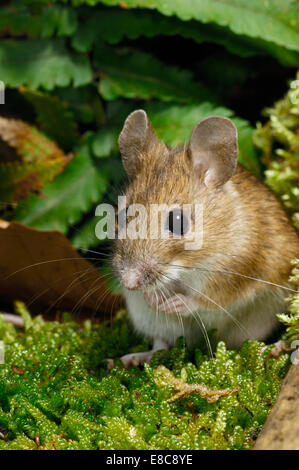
(56, 392)
(292, 319)
(279, 141)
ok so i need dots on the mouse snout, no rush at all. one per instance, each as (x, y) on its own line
(137, 275)
(132, 278)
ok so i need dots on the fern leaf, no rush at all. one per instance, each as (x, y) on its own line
(274, 21)
(139, 75)
(113, 25)
(52, 19)
(36, 63)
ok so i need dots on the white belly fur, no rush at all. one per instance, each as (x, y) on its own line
(257, 316)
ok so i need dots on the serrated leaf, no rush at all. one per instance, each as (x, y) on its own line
(38, 160)
(54, 117)
(140, 75)
(59, 19)
(272, 20)
(42, 63)
(65, 200)
(113, 25)
(174, 124)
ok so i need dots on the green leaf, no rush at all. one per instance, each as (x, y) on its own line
(65, 200)
(113, 25)
(104, 142)
(85, 237)
(42, 63)
(174, 124)
(53, 117)
(59, 19)
(139, 75)
(272, 20)
(84, 103)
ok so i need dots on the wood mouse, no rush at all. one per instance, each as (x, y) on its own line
(237, 281)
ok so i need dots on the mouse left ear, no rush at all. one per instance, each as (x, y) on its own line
(213, 149)
(137, 137)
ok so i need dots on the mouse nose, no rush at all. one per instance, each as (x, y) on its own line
(132, 278)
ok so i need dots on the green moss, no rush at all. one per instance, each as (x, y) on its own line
(56, 392)
(291, 320)
(279, 141)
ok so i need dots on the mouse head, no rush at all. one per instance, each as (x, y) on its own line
(173, 178)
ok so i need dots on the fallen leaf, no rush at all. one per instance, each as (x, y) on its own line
(36, 161)
(42, 269)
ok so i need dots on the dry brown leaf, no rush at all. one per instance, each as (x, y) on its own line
(42, 269)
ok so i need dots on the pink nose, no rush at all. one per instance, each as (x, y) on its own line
(132, 278)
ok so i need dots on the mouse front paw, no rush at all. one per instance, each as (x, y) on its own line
(139, 358)
(132, 359)
(178, 303)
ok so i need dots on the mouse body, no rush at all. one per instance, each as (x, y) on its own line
(236, 279)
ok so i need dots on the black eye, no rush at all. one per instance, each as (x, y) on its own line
(177, 223)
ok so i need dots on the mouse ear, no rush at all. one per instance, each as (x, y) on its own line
(136, 137)
(213, 148)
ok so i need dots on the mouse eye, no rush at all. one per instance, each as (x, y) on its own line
(177, 223)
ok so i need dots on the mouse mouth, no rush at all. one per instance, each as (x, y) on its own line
(163, 288)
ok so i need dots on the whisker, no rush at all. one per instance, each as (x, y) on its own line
(46, 262)
(102, 253)
(86, 296)
(68, 288)
(166, 316)
(244, 331)
(37, 296)
(231, 273)
(201, 324)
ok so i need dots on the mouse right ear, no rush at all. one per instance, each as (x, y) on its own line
(136, 137)
(213, 148)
